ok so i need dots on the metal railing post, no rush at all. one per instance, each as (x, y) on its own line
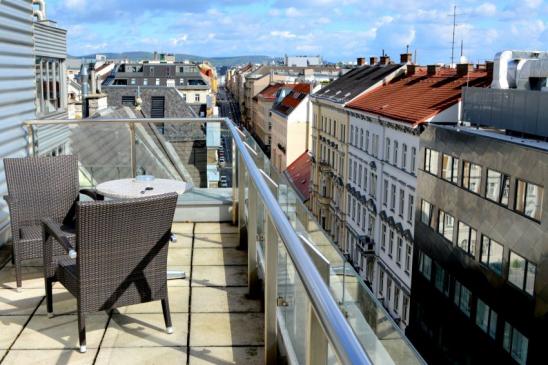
(252, 267)
(241, 193)
(235, 168)
(32, 142)
(271, 294)
(133, 149)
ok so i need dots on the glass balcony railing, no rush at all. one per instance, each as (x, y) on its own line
(316, 305)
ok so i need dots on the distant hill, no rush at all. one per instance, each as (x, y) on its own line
(216, 61)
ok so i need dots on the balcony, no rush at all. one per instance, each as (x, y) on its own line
(265, 284)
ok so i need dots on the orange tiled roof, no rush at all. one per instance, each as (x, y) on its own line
(293, 99)
(269, 93)
(299, 173)
(416, 98)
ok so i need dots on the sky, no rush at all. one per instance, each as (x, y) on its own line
(338, 30)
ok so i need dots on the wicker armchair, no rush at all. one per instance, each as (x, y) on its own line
(40, 187)
(121, 255)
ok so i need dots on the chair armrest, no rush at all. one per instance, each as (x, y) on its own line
(51, 229)
(92, 193)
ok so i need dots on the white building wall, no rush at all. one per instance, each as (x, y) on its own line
(370, 160)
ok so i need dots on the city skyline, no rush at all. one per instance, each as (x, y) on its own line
(337, 30)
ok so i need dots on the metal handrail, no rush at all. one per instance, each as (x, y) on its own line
(335, 325)
(333, 322)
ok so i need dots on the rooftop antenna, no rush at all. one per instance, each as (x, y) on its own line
(407, 49)
(454, 15)
(461, 48)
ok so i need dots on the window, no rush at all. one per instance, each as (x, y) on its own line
(364, 186)
(128, 101)
(361, 138)
(404, 157)
(425, 265)
(522, 273)
(157, 82)
(395, 157)
(388, 290)
(466, 238)
(413, 159)
(132, 81)
(471, 177)
(385, 196)
(373, 186)
(355, 171)
(446, 225)
(410, 208)
(402, 202)
(391, 243)
(398, 252)
(449, 168)
(383, 237)
(366, 141)
(529, 199)
(515, 343)
(145, 82)
(486, 319)
(197, 98)
(151, 71)
(491, 254)
(462, 298)
(431, 161)
(381, 281)
(351, 135)
(387, 148)
(393, 197)
(181, 81)
(441, 279)
(408, 256)
(498, 187)
(396, 299)
(405, 309)
(426, 213)
(360, 175)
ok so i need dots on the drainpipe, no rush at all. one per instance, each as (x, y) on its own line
(39, 13)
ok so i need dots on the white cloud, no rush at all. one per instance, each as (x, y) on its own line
(79, 5)
(180, 39)
(283, 34)
(486, 9)
(292, 12)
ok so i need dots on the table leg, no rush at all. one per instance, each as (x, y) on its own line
(174, 275)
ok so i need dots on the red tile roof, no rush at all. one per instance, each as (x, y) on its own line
(293, 99)
(416, 98)
(269, 93)
(299, 174)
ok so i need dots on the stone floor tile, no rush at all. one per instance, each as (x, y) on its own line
(215, 228)
(217, 300)
(183, 228)
(142, 356)
(219, 256)
(183, 241)
(178, 303)
(179, 257)
(10, 326)
(219, 276)
(63, 303)
(14, 303)
(145, 330)
(226, 355)
(60, 332)
(226, 329)
(33, 277)
(214, 240)
(46, 357)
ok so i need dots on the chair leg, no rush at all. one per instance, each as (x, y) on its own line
(49, 296)
(167, 315)
(82, 331)
(18, 275)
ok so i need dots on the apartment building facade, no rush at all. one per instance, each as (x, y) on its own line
(480, 269)
(385, 125)
(330, 134)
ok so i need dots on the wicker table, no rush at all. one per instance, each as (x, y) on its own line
(132, 189)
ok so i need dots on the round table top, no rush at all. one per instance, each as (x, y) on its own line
(131, 189)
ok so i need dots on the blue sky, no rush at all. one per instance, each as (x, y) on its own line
(336, 29)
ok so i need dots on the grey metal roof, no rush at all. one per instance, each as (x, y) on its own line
(354, 82)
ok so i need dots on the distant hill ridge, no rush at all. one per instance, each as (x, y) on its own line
(216, 61)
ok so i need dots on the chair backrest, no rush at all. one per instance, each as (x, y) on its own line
(42, 187)
(120, 243)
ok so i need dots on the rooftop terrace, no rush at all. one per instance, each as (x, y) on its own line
(214, 321)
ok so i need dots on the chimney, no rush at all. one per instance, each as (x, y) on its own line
(406, 58)
(385, 60)
(360, 61)
(464, 69)
(412, 69)
(372, 61)
(489, 66)
(432, 70)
